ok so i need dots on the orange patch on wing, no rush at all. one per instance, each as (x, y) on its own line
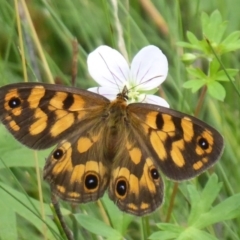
(78, 103)
(35, 96)
(13, 125)
(187, 127)
(176, 153)
(40, 123)
(64, 121)
(168, 125)
(158, 144)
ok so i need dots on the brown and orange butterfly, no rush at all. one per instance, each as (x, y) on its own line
(103, 144)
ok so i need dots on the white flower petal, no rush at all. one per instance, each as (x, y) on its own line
(153, 99)
(149, 68)
(108, 67)
(107, 92)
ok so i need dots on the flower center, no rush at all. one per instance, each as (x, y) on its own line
(133, 95)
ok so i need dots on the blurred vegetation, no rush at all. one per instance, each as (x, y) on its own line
(92, 23)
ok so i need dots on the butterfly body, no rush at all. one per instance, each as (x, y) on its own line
(114, 118)
(108, 145)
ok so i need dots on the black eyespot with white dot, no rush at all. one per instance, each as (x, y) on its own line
(58, 154)
(91, 181)
(121, 188)
(203, 143)
(154, 174)
(14, 102)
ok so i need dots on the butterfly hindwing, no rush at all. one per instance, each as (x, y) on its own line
(182, 146)
(135, 184)
(77, 169)
(41, 115)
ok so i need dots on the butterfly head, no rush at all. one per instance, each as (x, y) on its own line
(124, 94)
(130, 94)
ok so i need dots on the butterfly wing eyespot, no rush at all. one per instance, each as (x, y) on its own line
(14, 102)
(203, 143)
(181, 145)
(91, 181)
(58, 154)
(121, 187)
(154, 174)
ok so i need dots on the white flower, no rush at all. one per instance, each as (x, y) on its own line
(111, 71)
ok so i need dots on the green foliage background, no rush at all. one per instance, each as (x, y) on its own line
(207, 207)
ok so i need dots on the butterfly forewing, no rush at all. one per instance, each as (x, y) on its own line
(41, 115)
(181, 145)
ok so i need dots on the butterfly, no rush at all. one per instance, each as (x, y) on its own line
(108, 145)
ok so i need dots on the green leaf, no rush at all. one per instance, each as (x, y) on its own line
(163, 235)
(196, 72)
(195, 204)
(231, 38)
(192, 233)
(216, 90)
(193, 39)
(221, 75)
(194, 43)
(231, 47)
(11, 150)
(15, 204)
(195, 85)
(119, 220)
(215, 18)
(170, 227)
(213, 28)
(201, 203)
(187, 45)
(228, 209)
(213, 68)
(210, 192)
(96, 226)
(168, 231)
(216, 26)
(171, 231)
(204, 21)
(8, 226)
